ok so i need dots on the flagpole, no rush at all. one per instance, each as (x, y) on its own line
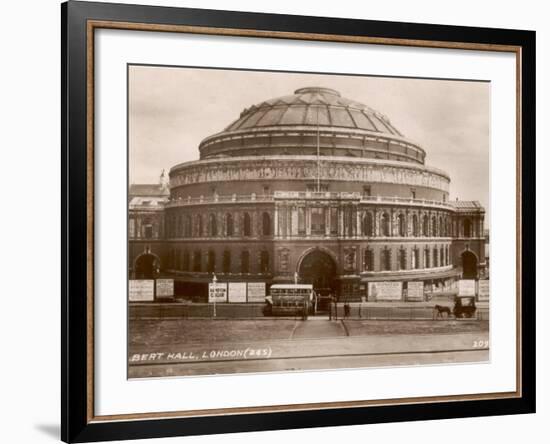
(318, 155)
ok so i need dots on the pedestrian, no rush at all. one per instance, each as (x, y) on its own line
(330, 307)
(346, 310)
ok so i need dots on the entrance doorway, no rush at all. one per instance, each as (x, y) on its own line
(146, 266)
(319, 270)
(469, 265)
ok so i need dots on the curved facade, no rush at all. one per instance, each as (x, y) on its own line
(316, 187)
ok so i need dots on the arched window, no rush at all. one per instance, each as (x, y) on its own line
(425, 224)
(182, 254)
(401, 225)
(415, 225)
(147, 229)
(441, 257)
(212, 225)
(434, 226)
(228, 224)
(441, 227)
(368, 225)
(185, 265)
(246, 225)
(402, 260)
(349, 221)
(415, 260)
(426, 258)
(318, 220)
(301, 220)
(180, 226)
(264, 262)
(211, 265)
(197, 260)
(368, 260)
(435, 257)
(168, 226)
(385, 224)
(385, 260)
(188, 226)
(467, 228)
(171, 258)
(226, 262)
(199, 226)
(266, 224)
(245, 261)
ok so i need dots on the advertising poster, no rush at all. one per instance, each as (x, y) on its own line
(165, 288)
(483, 290)
(237, 292)
(217, 292)
(141, 290)
(386, 291)
(467, 287)
(256, 291)
(415, 291)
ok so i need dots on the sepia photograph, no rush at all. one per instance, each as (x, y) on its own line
(291, 221)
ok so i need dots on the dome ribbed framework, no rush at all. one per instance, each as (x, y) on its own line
(290, 125)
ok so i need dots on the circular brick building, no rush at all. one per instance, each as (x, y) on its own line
(316, 187)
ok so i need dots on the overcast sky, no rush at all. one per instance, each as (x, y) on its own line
(173, 109)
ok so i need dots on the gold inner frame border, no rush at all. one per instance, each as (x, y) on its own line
(92, 25)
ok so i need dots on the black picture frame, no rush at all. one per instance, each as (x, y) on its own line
(77, 421)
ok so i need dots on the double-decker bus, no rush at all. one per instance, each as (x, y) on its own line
(290, 300)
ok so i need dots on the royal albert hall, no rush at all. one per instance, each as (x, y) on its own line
(312, 187)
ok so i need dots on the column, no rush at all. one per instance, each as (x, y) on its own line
(276, 221)
(288, 219)
(326, 209)
(357, 221)
(341, 221)
(308, 221)
(294, 223)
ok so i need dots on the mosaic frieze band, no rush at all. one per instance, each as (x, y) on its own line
(292, 169)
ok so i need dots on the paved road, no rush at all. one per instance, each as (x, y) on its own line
(318, 328)
(302, 351)
(309, 363)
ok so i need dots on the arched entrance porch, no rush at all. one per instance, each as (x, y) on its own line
(146, 266)
(317, 267)
(469, 265)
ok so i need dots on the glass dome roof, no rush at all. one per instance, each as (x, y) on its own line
(312, 106)
(312, 120)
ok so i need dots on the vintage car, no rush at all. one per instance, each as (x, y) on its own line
(464, 307)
